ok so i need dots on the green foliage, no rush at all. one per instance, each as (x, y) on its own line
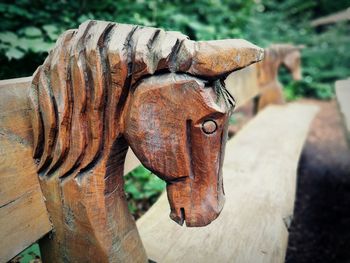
(30, 28)
(304, 88)
(29, 255)
(233, 119)
(142, 189)
(325, 58)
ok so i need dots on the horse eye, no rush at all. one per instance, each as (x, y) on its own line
(209, 126)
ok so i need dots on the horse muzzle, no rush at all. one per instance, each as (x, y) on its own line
(193, 203)
(198, 199)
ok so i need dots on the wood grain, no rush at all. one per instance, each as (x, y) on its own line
(342, 90)
(259, 179)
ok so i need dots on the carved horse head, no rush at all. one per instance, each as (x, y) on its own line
(107, 86)
(290, 57)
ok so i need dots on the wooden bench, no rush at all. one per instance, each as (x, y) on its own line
(259, 173)
(342, 90)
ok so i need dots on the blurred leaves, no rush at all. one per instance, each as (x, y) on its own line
(52, 32)
(31, 32)
(13, 52)
(326, 57)
(30, 28)
(142, 189)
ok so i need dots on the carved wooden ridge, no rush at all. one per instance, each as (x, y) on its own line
(105, 87)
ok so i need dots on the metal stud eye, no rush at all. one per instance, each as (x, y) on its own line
(209, 126)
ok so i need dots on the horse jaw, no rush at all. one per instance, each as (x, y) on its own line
(199, 198)
(194, 211)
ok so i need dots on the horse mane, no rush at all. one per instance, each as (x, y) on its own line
(78, 94)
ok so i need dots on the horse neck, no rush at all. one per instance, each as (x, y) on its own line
(91, 207)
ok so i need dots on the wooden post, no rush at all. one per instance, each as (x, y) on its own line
(342, 91)
(23, 215)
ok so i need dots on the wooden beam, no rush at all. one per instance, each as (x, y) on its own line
(332, 18)
(243, 84)
(23, 216)
(342, 90)
(260, 179)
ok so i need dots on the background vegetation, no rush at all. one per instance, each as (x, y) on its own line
(30, 28)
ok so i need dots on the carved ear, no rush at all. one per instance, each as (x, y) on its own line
(220, 57)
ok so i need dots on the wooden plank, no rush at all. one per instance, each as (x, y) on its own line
(23, 216)
(260, 179)
(131, 162)
(16, 83)
(331, 19)
(22, 222)
(342, 89)
(243, 84)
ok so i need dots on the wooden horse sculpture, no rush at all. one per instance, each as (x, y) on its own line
(107, 86)
(276, 55)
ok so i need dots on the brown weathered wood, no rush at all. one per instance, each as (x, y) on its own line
(108, 86)
(267, 72)
(23, 215)
(260, 193)
(342, 90)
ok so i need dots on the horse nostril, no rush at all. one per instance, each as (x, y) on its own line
(209, 126)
